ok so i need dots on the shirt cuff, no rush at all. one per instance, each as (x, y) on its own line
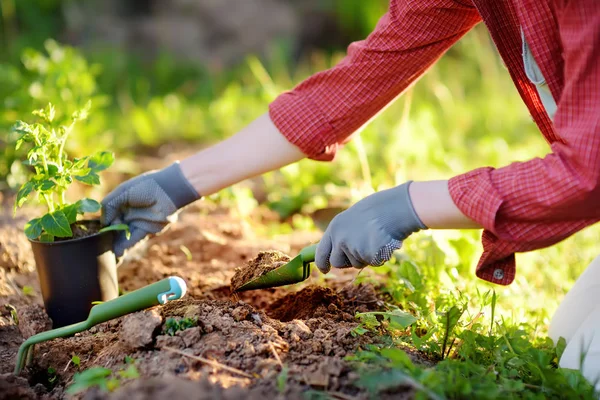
(477, 198)
(301, 122)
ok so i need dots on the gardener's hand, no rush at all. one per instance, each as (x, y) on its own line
(147, 204)
(368, 232)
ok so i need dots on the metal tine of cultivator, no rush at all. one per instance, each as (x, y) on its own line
(294, 271)
(160, 292)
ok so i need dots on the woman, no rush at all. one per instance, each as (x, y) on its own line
(551, 49)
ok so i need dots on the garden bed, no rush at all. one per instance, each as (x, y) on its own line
(287, 342)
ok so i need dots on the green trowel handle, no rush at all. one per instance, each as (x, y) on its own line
(308, 253)
(152, 295)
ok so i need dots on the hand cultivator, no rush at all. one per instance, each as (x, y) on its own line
(161, 292)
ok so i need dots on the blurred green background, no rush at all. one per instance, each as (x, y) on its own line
(153, 96)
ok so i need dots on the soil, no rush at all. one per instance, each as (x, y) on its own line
(308, 302)
(244, 340)
(83, 229)
(266, 261)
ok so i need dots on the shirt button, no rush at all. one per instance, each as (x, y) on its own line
(498, 273)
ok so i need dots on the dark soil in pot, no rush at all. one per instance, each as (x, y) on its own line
(82, 229)
(74, 273)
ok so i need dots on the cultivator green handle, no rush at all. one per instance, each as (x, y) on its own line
(171, 288)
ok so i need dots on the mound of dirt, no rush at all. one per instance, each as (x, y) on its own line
(310, 302)
(265, 261)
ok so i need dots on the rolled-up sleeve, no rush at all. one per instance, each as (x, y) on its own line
(323, 111)
(534, 204)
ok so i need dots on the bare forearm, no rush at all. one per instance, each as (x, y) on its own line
(256, 149)
(436, 209)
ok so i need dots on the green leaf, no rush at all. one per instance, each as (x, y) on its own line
(57, 224)
(90, 179)
(52, 169)
(20, 141)
(76, 360)
(33, 228)
(28, 290)
(95, 376)
(92, 374)
(368, 320)
(101, 161)
(22, 128)
(399, 358)
(46, 238)
(560, 347)
(400, 319)
(117, 227)
(87, 206)
(83, 113)
(80, 162)
(45, 185)
(47, 114)
(130, 373)
(70, 212)
(23, 193)
(282, 379)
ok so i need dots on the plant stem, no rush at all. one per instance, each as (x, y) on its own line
(37, 142)
(62, 144)
(49, 202)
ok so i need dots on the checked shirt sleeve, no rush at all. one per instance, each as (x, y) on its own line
(322, 112)
(534, 204)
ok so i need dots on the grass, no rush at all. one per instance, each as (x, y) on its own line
(489, 341)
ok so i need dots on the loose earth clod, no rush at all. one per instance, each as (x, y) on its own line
(264, 262)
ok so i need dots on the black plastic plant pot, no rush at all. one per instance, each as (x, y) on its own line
(74, 274)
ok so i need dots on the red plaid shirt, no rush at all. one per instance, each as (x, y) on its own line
(525, 205)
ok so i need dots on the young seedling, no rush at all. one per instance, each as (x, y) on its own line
(76, 360)
(52, 172)
(104, 378)
(28, 291)
(173, 325)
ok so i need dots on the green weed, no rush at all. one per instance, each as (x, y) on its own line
(174, 325)
(103, 378)
(282, 379)
(76, 360)
(13, 313)
(28, 291)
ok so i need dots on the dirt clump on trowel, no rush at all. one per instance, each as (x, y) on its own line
(264, 262)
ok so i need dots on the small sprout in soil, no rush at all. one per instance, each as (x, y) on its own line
(264, 262)
(28, 291)
(394, 320)
(173, 325)
(76, 360)
(13, 313)
(128, 360)
(51, 173)
(282, 379)
(358, 331)
(187, 252)
(101, 377)
(52, 376)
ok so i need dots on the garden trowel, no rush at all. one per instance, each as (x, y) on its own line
(160, 292)
(294, 271)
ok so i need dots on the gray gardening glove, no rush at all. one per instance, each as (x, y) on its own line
(147, 204)
(368, 232)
